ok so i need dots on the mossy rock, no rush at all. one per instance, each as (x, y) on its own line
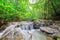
(58, 38)
(4, 39)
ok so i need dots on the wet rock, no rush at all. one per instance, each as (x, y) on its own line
(19, 38)
(38, 36)
(56, 35)
(24, 25)
(50, 38)
(48, 30)
(37, 25)
(42, 23)
(59, 28)
(54, 26)
(57, 23)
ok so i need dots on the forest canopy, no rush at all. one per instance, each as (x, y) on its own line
(16, 10)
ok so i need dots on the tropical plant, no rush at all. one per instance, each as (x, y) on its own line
(16, 10)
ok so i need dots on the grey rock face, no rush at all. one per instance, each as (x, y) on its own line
(48, 30)
(43, 23)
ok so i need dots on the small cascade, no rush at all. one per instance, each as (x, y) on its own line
(18, 30)
(27, 26)
(21, 31)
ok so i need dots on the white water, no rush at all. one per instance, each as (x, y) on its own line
(25, 31)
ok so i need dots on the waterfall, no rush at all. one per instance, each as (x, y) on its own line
(27, 26)
(20, 31)
(7, 30)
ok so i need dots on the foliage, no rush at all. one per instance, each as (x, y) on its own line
(16, 10)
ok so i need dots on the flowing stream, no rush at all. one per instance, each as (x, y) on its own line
(24, 31)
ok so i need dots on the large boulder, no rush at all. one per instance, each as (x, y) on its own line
(48, 30)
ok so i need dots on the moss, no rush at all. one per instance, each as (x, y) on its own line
(58, 38)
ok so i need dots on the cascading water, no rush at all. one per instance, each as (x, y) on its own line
(17, 29)
(21, 31)
(27, 26)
